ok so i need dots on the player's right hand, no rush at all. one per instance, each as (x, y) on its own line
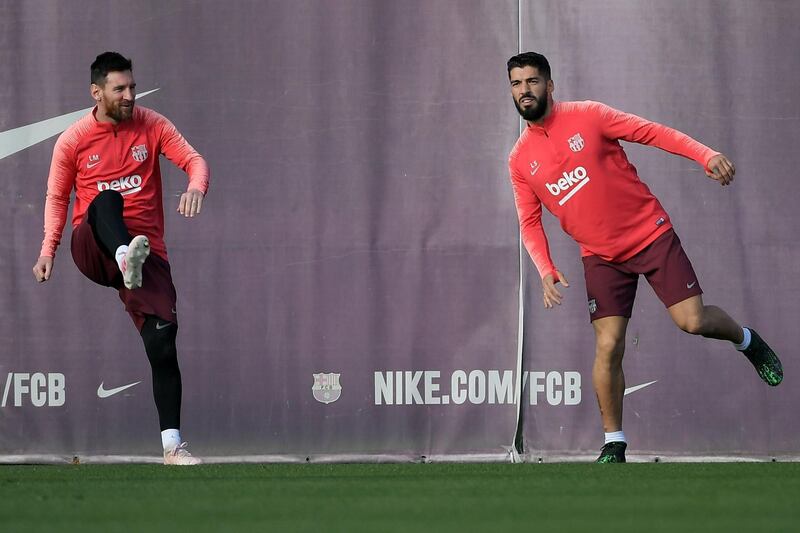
(191, 202)
(550, 293)
(43, 268)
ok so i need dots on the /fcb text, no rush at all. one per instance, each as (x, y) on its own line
(37, 389)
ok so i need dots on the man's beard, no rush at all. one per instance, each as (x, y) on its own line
(120, 113)
(534, 112)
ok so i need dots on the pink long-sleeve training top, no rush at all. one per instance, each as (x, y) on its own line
(92, 156)
(574, 165)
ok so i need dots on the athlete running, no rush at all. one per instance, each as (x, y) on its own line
(569, 159)
(110, 158)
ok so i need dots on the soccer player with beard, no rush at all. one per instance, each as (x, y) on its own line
(569, 159)
(111, 158)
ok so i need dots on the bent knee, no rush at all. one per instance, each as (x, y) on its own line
(692, 324)
(109, 197)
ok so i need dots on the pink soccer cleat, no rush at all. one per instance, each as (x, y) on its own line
(132, 263)
(180, 456)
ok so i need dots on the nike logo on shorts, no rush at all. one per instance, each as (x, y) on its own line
(690, 285)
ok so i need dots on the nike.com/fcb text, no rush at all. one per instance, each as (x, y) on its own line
(426, 387)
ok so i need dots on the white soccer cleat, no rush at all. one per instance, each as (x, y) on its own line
(132, 263)
(180, 456)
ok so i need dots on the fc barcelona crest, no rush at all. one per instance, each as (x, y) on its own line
(139, 152)
(576, 143)
(326, 387)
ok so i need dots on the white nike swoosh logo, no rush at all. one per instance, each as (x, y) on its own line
(103, 393)
(18, 139)
(159, 325)
(630, 390)
(690, 285)
(90, 165)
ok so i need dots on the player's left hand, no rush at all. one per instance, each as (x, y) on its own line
(191, 202)
(721, 169)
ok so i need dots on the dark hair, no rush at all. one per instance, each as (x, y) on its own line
(109, 62)
(530, 59)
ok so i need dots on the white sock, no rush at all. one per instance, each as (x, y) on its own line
(119, 255)
(745, 341)
(616, 436)
(170, 438)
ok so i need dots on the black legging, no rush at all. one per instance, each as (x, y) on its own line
(159, 343)
(105, 219)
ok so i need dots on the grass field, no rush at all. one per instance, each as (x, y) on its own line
(753, 497)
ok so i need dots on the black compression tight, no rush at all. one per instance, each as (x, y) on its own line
(159, 343)
(105, 219)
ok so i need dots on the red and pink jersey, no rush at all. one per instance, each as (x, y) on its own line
(92, 156)
(574, 165)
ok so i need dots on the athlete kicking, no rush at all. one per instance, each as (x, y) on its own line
(110, 157)
(569, 159)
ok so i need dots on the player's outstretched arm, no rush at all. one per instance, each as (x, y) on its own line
(550, 294)
(43, 269)
(191, 202)
(721, 169)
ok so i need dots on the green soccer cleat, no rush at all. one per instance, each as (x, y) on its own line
(613, 452)
(766, 361)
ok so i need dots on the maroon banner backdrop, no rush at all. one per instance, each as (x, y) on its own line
(700, 67)
(351, 288)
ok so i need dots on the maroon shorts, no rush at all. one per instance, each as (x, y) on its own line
(611, 287)
(155, 297)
